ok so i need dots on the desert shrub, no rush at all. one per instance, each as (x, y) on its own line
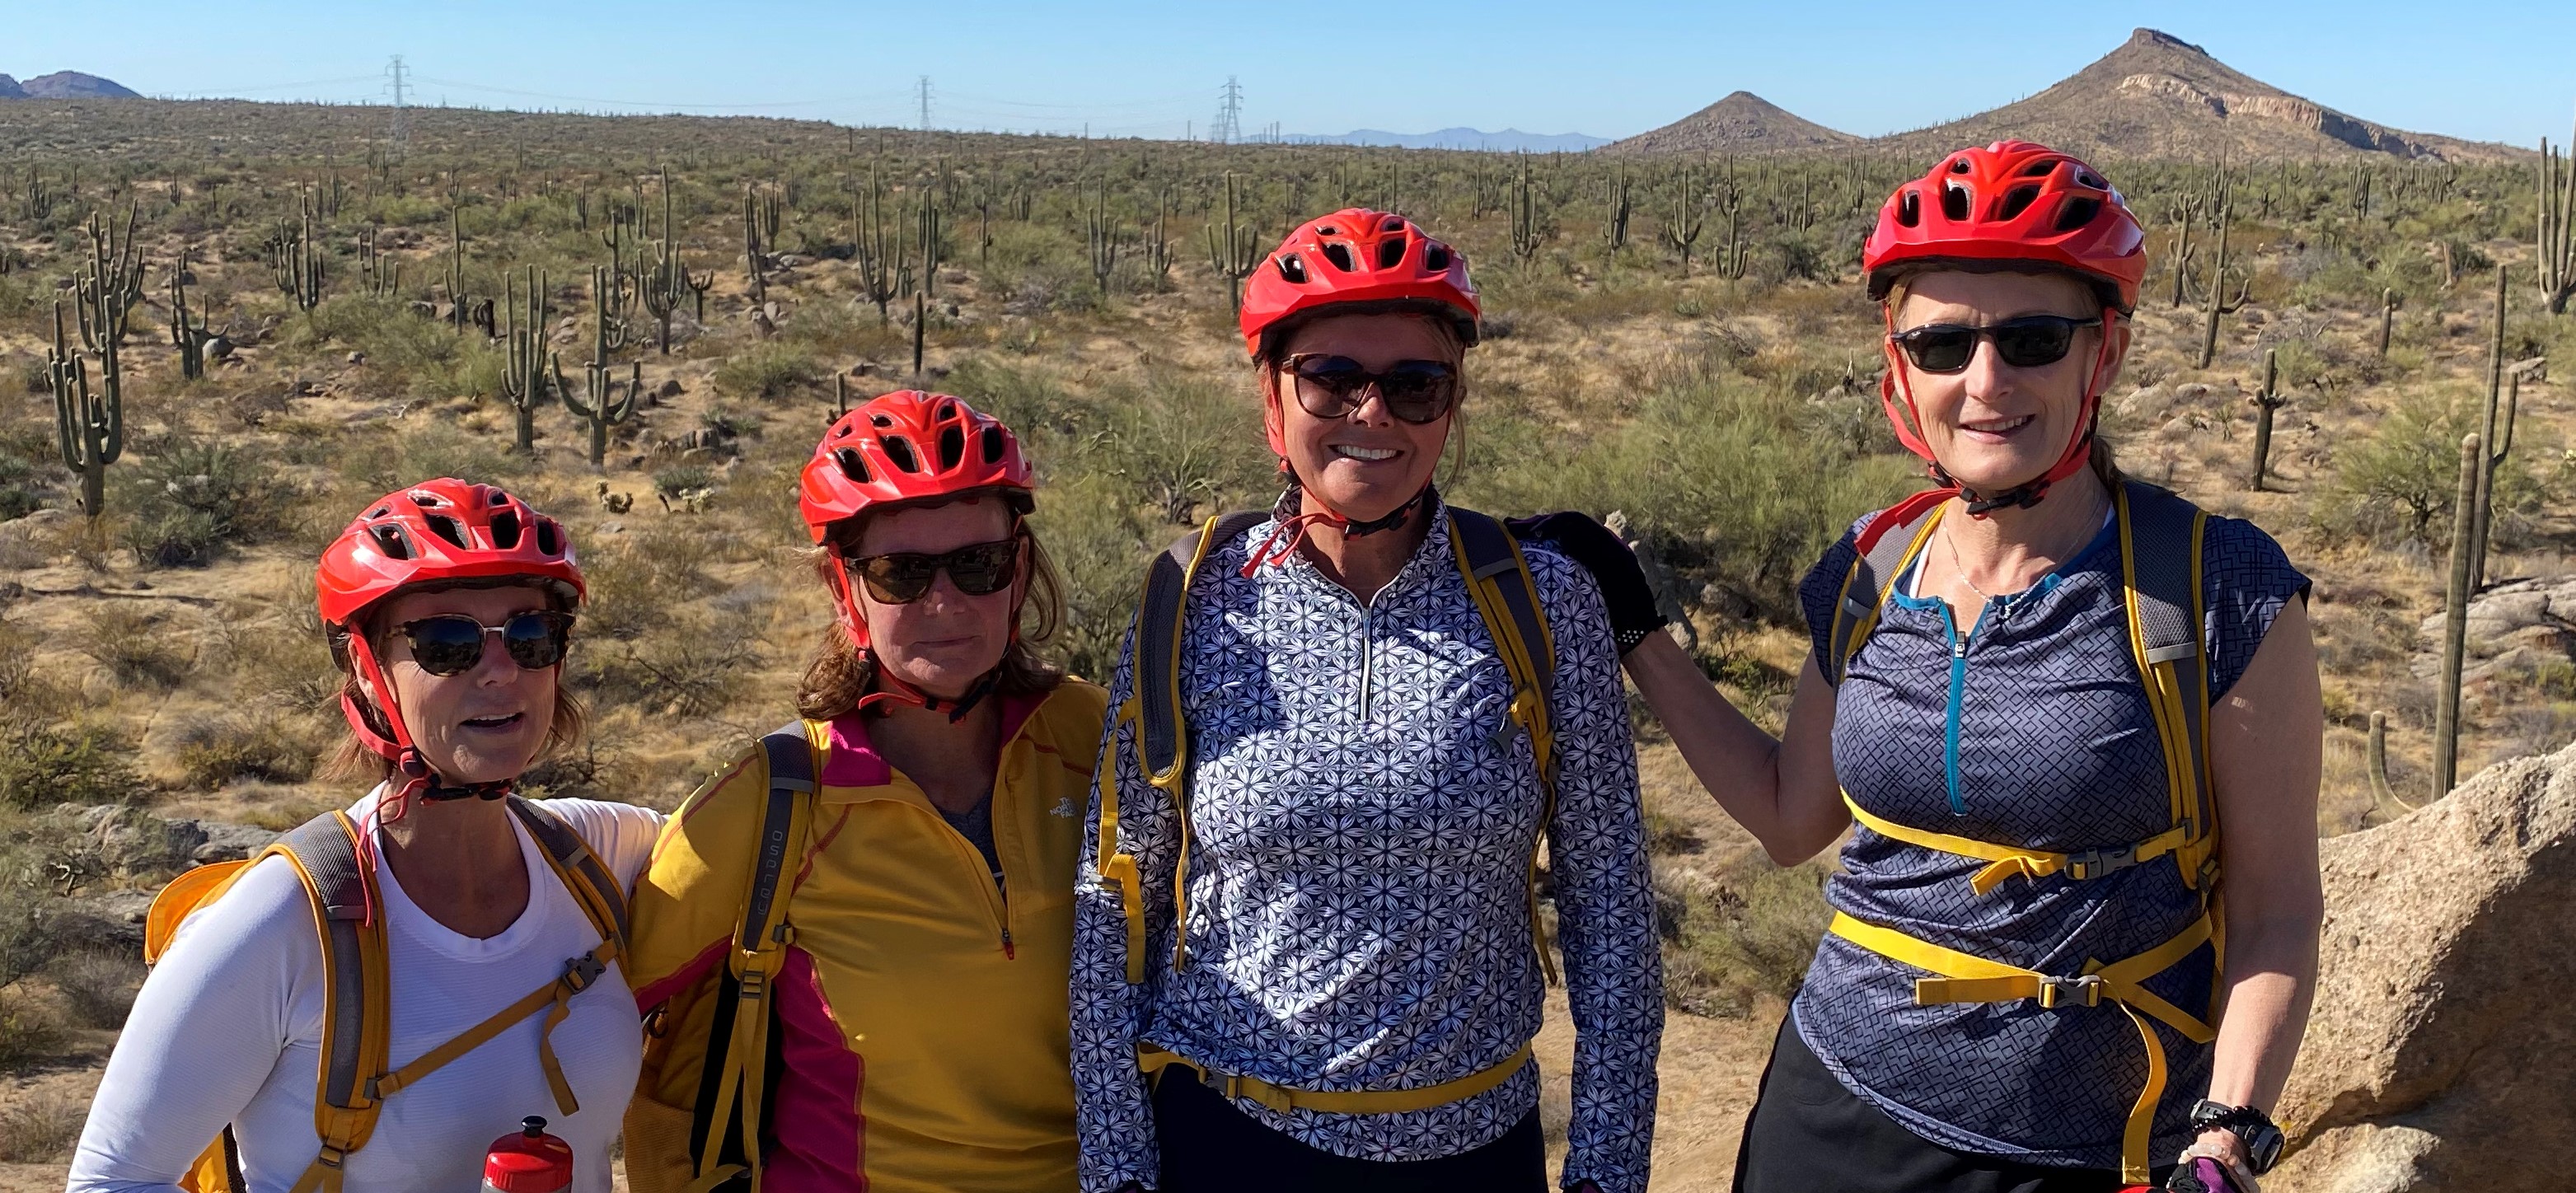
(2400, 480)
(681, 478)
(218, 750)
(83, 764)
(378, 462)
(21, 490)
(1100, 554)
(1028, 400)
(97, 985)
(766, 371)
(138, 646)
(31, 1033)
(1179, 443)
(40, 1128)
(688, 669)
(1744, 936)
(194, 497)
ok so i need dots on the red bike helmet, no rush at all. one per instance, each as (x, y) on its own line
(901, 447)
(437, 533)
(1356, 256)
(2010, 205)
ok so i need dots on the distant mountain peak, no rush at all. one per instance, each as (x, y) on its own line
(66, 84)
(1740, 123)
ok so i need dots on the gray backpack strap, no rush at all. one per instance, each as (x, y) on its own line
(1492, 554)
(2161, 561)
(575, 856)
(1157, 671)
(791, 774)
(326, 848)
(1883, 547)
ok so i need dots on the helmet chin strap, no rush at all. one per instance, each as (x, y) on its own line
(1288, 531)
(2078, 453)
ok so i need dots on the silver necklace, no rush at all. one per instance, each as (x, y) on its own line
(1951, 543)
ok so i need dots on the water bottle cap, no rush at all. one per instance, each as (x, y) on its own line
(528, 1161)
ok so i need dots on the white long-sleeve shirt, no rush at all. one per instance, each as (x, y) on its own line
(228, 1030)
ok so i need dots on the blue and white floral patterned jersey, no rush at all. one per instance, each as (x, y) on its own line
(1363, 816)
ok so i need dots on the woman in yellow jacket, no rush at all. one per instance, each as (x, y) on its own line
(852, 946)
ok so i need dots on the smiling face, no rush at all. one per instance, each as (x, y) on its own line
(1993, 425)
(944, 641)
(486, 724)
(1367, 462)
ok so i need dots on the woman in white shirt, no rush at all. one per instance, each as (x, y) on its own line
(477, 913)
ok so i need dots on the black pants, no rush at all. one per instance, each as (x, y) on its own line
(1808, 1134)
(1211, 1147)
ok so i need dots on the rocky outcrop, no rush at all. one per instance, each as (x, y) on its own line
(1740, 123)
(2436, 1056)
(9, 88)
(2512, 628)
(131, 844)
(72, 84)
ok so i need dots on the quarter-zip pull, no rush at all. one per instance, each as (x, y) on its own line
(1008, 953)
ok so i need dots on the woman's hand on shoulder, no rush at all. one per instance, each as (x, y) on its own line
(1613, 565)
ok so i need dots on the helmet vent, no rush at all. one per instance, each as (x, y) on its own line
(947, 410)
(500, 498)
(2039, 169)
(993, 443)
(426, 500)
(899, 450)
(2016, 201)
(448, 528)
(1959, 165)
(2087, 178)
(1909, 209)
(1292, 269)
(1328, 230)
(1390, 253)
(1394, 223)
(1340, 256)
(1954, 201)
(1435, 257)
(2077, 212)
(392, 541)
(505, 530)
(852, 465)
(549, 537)
(880, 420)
(952, 446)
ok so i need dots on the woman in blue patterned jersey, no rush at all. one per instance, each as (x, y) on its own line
(2023, 985)
(1312, 967)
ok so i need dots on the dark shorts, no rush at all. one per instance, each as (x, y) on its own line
(1211, 1147)
(1808, 1134)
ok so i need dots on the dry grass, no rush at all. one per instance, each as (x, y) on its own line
(41, 1128)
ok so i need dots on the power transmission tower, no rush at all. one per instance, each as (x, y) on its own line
(922, 90)
(402, 109)
(1229, 115)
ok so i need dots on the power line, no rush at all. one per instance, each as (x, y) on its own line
(402, 110)
(1228, 127)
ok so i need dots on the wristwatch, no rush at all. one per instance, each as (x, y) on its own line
(2251, 1127)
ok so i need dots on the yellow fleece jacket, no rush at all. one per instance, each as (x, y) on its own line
(921, 1031)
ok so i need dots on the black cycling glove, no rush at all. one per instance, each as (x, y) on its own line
(1614, 567)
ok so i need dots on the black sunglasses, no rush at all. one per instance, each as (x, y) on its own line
(980, 569)
(1417, 391)
(452, 643)
(2024, 343)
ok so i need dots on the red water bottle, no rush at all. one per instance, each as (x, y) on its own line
(528, 1161)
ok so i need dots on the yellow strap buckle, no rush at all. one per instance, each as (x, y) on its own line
(1279, 1100)
(754, 985)
(2094, 863)
(579, 972)
(2085, 991)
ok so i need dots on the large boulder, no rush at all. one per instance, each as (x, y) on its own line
(2436, 1057)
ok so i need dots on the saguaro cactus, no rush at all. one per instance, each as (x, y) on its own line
(2455, 616)
(2267, 400)
(2557, 249)
(1102, 238)
(1688, 215)
(1614, 218)
(1527, 234)
(2216, 303)
(1234, 250)
(107, 288)
(605, 403)
(2387, 319)
(88, 424)
(529, 366)
(186, 335)
(2497, 430)
(296, 256)
(2380, 788)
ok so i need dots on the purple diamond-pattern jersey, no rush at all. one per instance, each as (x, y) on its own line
(1362, 816)
(2057, 750)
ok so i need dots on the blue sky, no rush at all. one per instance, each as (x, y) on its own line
(2502, 70)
